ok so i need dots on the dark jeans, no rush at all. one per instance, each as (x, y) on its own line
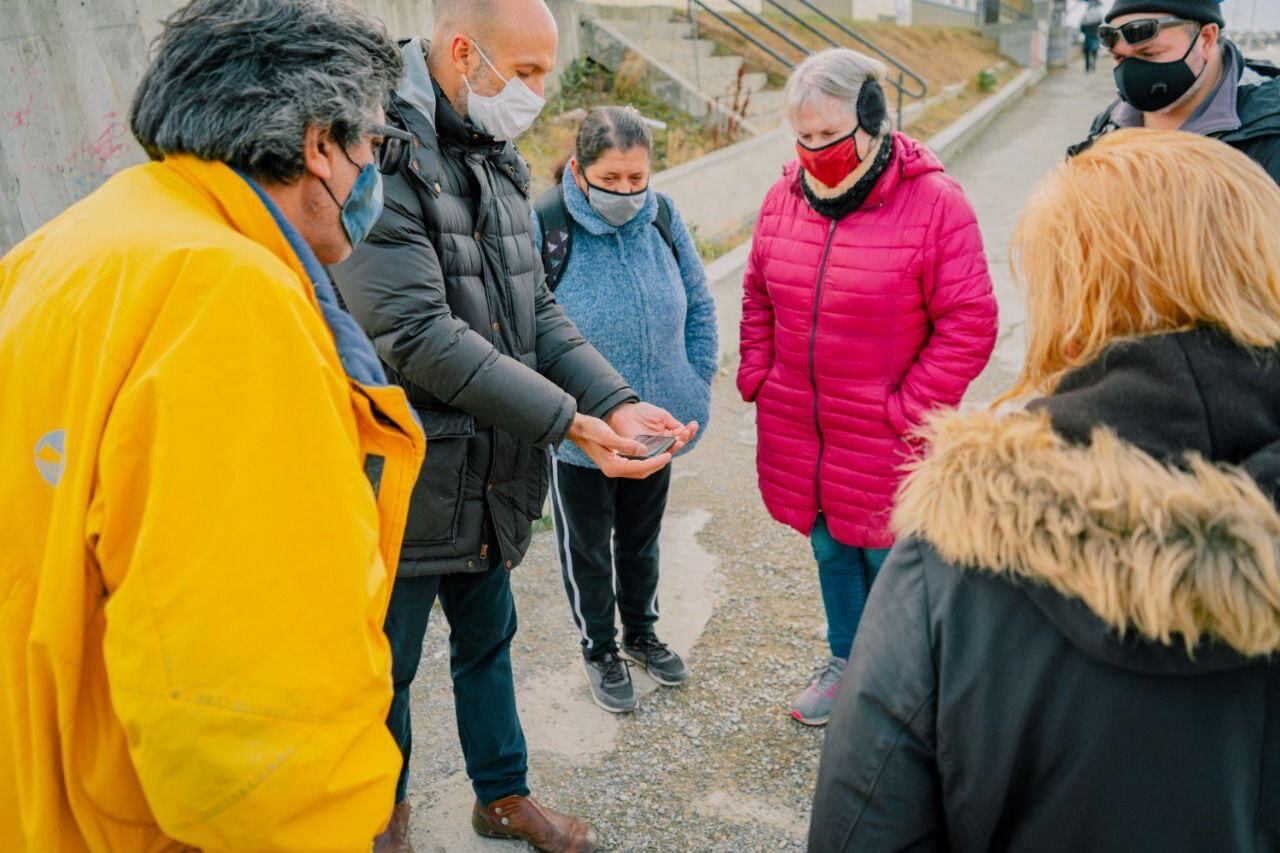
(482, 621)
(845, 574)
(603, 525)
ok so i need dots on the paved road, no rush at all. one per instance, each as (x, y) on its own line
(999, 172)
(716, 765)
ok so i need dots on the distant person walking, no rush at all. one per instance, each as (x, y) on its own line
(867, 305)
(1089, 27)
(1175, 71)
(626, 272)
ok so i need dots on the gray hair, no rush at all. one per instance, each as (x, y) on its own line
(610, 129)
(240, 81)
(837, 76)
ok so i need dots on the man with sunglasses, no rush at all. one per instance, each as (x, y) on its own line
(1175, 71)
(451, 290)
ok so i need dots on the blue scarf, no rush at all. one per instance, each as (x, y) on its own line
(354, 349)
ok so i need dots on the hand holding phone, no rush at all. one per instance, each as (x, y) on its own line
(653, 445)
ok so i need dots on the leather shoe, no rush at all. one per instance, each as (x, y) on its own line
(395, 838)
(524, 818)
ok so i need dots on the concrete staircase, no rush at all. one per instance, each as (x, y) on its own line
(719, 79)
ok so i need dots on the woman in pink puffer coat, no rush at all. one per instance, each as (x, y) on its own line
(867, 303)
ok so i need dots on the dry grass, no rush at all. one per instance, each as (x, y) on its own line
(939, 116)
(586, 84)
(940, 55)
(711, 248)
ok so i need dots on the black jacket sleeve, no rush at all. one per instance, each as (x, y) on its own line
(394, 286)
(878, 786)
(566, 358)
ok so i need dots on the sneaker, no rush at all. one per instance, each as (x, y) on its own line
(611, 683)
(813, 706)
(663, 665)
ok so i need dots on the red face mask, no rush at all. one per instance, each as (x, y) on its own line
(833, 162)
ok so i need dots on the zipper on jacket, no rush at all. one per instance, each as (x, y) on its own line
(813, 370)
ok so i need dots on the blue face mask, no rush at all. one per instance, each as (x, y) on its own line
(363, 206)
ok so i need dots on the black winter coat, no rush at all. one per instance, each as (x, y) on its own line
(1258, 136)
(452, 292)
(1022, 678)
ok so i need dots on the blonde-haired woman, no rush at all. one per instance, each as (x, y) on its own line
(1076, 646)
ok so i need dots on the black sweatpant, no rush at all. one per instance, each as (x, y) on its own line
(602, 525)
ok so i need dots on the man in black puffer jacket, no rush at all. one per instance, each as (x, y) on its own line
(451, 290)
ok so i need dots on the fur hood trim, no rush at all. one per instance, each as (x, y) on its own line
(1175, 554)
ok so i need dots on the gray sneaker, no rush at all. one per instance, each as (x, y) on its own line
(663, 665)
(813, 706)
(611, 683)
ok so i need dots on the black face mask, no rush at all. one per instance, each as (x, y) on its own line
(1152, 86)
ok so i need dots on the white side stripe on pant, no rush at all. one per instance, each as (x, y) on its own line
(560, 522)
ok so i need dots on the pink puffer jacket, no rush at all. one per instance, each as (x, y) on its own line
(852, 331)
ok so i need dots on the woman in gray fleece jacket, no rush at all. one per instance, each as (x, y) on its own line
(634, 285)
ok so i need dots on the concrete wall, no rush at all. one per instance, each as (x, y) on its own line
(874, 10)
(69, 69)
(1025, 42)
(933, 13)
(722, 191)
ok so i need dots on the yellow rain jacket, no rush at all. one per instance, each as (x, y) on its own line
(197, 513)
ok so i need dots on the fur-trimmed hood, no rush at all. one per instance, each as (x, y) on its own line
(1139, 554)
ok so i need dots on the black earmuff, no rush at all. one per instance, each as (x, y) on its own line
(872, 107)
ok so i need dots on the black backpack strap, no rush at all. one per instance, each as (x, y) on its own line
(663, 223)
(1263, 67)
(1102, 125)
(557, 234)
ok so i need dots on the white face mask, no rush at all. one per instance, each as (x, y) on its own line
(507, 114)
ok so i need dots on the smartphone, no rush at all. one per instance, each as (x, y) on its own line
(653, 445)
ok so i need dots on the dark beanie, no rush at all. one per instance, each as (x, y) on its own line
(1201, 11)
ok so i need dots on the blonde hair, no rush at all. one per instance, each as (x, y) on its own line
(1146, 232)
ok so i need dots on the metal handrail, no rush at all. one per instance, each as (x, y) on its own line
(759, 19)
(897, 84)
(904, 73)
(786, 63)
(920, 90)
(802, 22)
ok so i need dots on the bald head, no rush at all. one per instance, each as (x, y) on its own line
(517, 37)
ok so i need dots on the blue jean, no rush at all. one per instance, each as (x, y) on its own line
(845, 574)
(482, 622)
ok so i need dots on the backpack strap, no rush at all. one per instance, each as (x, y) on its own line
(1263, 67)
(1102, 125)
(557, 234)
(663, 223)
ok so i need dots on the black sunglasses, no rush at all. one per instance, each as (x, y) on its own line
(391, 153)
(1135, 33)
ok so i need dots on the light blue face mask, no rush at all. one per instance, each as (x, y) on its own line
(363, 206)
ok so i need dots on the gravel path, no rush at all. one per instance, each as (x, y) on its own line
(716, 765)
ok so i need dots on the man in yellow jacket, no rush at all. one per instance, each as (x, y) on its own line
(203, 474)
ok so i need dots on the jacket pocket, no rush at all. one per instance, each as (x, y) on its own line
(535, 478)
(530, 470)
(438, 494)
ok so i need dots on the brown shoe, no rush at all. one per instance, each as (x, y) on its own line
(525, 819)
(395, 839)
